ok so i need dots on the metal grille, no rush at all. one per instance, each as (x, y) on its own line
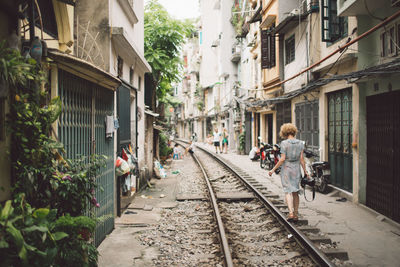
(124, 115)
(383, 148)
(82, 131)
(283, 115)
(340, 132)
(308, 124)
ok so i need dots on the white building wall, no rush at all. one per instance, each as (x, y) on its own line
(301, 58)
(135, 34)
(209, 55)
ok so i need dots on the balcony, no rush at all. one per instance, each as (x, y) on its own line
(357, 7)
(236, 53)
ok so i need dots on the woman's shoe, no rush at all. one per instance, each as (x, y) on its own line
(290, 218)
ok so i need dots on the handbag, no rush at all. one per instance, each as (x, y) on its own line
(308, 182)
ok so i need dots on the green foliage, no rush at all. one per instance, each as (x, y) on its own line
(165, 150)
(29, 234)
(28, 237)
(73, 184)
(75, 250)
(163, 38)
(242, 140)
(14, 69)
(200, 105)
(237, 19)
(29, 123)
(171, 100)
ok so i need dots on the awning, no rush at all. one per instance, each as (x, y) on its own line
(392, 67)
(121, 40)
(151, 113)
(266, 23)
(289, 23)
(84, 69)
(257, 16)
(158, 127)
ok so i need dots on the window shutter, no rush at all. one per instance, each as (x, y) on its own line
(272, 51)
(265, 61)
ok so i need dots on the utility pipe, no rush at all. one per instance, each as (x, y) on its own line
(383, 23)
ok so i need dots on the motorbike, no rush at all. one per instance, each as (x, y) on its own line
(263, 155)
(318, 170)
(273, 155)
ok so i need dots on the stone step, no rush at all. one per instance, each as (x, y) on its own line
(320, 239)
(308, 229)
(336, 253)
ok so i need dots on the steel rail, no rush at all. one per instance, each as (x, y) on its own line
(217, 214)
(315, 253)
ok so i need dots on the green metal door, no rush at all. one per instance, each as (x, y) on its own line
(340, 137)
(81, 129)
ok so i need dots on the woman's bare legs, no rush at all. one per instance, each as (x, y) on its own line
(289, 201)
(296, 202)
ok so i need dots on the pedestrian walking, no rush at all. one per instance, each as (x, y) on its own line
(225, 136)
(194, 137)
(190, 148)
(291, 160)
(217, 140)
(176, 152)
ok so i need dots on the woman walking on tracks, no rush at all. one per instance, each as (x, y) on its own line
(291, 160)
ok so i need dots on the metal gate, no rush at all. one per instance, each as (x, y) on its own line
(283, 115)
(124, 116)
(383, 149)
(340, 137)
(81, 129)
(247, 124)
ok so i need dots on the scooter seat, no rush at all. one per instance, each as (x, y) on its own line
(319, 163)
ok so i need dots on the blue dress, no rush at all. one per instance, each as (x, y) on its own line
(291, 173)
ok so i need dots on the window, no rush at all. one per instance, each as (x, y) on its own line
(139, 83)
(398, 36)
(333, 27)
(120, 66)
(307, 123)
(131, 75)
(268, 59)
(289, 49)
(48, 18)
(388, 41)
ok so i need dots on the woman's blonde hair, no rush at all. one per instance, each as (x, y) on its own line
(287, 129)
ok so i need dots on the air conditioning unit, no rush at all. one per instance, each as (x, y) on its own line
(395, 2)
(295, 12)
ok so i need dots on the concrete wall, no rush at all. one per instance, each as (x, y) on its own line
(301, 57)
(210, 31)
(96, 14)
(327, 48)
(286, 6)
(369, 55)
(368, 89)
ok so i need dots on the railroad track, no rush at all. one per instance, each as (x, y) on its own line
(253, 231)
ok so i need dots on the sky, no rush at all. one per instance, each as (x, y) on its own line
(181, 9)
